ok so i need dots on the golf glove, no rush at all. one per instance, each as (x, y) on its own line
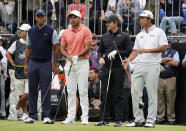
(74, 59)
(112, 54)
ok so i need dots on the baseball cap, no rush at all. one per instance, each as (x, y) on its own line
(76, 13)
(40, 12)
(147, 13)
(112, 18)
(24, 27)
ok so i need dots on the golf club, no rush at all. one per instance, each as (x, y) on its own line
(141, 104)
(107, 90)
(46, 94)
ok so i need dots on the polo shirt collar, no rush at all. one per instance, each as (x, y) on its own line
(41, 27)
(150, 29)
(78, 29)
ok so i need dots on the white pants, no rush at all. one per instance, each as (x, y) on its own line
(13, 97)
(78, 76)
(145, 75)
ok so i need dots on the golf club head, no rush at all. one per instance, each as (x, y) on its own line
(141, 105)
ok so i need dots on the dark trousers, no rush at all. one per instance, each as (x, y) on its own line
(115, 93)
(39, 74)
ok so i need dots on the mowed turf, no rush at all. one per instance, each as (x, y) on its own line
(6, 125)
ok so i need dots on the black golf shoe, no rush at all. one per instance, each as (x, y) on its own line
(102, 123)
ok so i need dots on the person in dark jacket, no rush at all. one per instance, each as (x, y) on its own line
(109, 58)
(172, 18)
(92, 16)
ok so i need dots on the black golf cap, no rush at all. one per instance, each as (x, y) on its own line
(112, 18)
(40, 12)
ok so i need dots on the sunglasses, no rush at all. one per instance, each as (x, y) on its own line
(94, 38)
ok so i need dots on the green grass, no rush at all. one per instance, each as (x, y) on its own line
(38, 126)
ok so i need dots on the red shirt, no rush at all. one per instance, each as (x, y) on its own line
(75, 41)
(80, 7)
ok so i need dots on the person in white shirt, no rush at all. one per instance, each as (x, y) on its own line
(21, 82)
(149, 44)
(3, 76)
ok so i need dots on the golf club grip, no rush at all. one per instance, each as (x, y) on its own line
(117, 50)
(132, 85)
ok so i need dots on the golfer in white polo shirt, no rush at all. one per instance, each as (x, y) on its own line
(149, 44)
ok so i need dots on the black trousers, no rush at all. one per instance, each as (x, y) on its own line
(115, 93)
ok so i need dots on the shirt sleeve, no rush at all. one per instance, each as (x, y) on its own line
(162, 38)
(136, 45)
(63, 40)
(176, 57)
(88, 35)
(12, 48)
(55, 39)
(28, 42)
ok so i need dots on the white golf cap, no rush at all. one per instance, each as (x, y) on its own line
(76, 13)
(24, 27)
(147, 13)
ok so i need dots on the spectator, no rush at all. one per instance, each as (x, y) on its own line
(13, 98)
(167, 86)
(184, 4)
(93, 53)
(142, 4)
(32, 6)
(111, 11)
(92, 16)
(21, 84)
(172, 18)
(53, 9)
(77, 6)
(107, 4)
(3, 76)
(128, 12)
(7, 13)
(94, 93)
(108, 8)
(150, 5)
